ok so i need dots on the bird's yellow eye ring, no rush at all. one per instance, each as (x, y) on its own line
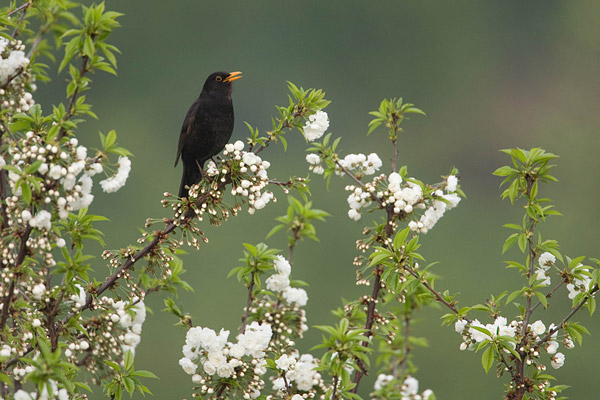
(219, 78)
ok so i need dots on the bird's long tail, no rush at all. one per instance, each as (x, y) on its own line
(191, 175)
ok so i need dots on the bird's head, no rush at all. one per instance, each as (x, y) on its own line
(220, 82)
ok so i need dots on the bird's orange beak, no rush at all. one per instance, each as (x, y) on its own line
(233, 76)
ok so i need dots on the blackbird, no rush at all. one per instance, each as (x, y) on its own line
(206, 128)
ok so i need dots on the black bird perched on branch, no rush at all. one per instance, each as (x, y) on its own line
(206, 128)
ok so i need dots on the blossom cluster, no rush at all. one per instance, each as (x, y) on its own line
(408, 390)
(243, 360)
(475, 332)
(12, 58)
(299, 370)
(257, 179)
(65, 171)
(316, 126)
(545, 261)
(45, 394)
(358, 164)
(405, 197)
(130, 318)
(58, 179)
(14, 77)
(581, 282)
(280, 283)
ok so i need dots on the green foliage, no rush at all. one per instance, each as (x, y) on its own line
(298, 221)
(391, 114)
(258, 259)
(302, 103)
(126, 379)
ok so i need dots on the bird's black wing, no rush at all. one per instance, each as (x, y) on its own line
(188, 122)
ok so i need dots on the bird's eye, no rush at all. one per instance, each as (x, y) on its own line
(219, 78)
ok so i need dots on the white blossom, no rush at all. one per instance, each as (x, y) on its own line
(558, 360)
(188, 366)
(552, 347)
(285, 362)
(56, 171)
(313, 159)
(451, 183)
(42, 220)
(5, 351)
(282, 266)
(26, 215)
(546, 260)
(410, 386)
(278, 282)
(21, 394)
(382, 381)
(316, 126)
(459, 326)
(118, 180)
(255, 339)
(538, 327)
(38, 291)
(295, 295)
(541, 274)
(304, 373)
(11, 64)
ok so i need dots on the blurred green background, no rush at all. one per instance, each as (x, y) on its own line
(490, 75)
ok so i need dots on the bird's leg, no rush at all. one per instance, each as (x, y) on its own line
(201, 170)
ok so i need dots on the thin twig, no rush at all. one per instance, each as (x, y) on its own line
(21, 18)
(404, 361)
(568, 316)
(248, 302)
(71, 107)
(549, 294)
(21, 7)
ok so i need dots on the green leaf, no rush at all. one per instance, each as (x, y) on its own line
(26, 191)
(401, 238)
(542, 298)
(144, 374)
(509, 242)
(88, 47)
(487, 358)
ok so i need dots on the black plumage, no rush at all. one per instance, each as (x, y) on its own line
(206, 128)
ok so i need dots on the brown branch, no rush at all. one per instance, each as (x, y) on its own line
(70, 108)
(293, 243)
(404, 361)
(12, 136)
(20, 8)
(23, 8)
(248, 302)
(437, 296)
(550, 293)
(520, 375)
(20, 258)
(568, 316)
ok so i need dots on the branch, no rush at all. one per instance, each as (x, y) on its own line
(550, 293)
(437, 296)
(404, 361)
(23, 8)
(568, 316)
(70, 108)
(248, 302)
(20, 257)
(7, 129)
(358, 181)
(20, 8)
